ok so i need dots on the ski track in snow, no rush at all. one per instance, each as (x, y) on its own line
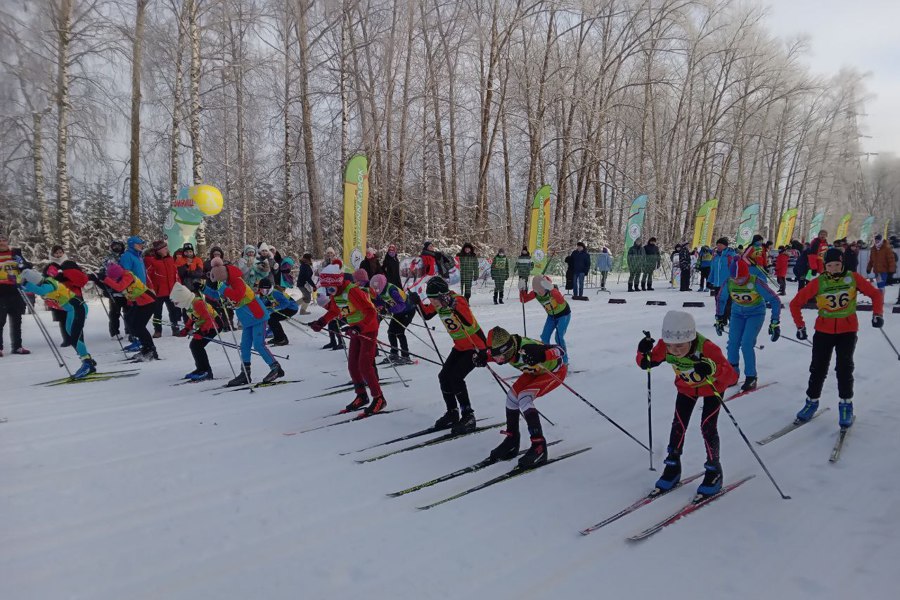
(135, 489)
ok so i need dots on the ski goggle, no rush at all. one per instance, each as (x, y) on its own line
(505, 351)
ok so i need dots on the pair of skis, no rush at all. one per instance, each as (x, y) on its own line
(96, 376)
(838, 444)
(358, 417)
(253, 386)
(432, 442)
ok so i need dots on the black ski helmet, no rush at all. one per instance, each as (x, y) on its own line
(437, 286)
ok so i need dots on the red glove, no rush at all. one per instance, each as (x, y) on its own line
(351, 331)
(52, 271)
(183, 332)
(317, 325)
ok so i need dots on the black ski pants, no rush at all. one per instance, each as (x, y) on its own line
(709, 425)
(198, 351)
(397, 332)
(136, 320)
(842, 344)
(174, 313)
(453, 379)
(12, 307)
(275, 325)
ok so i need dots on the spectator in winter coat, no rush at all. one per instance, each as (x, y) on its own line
(267, 262)
(499, 273)
(720, 267)
(285, 273)
(305, 282)
(468, 269)
(370, 263)
(570, 273)
(390, 266)
(581, 266)
(704, 262)
(684, 264)
(132, 260)
(781, 269)
(189, 268)
(652, 261)
(636, 257)
(604, 265)
(882, 261)
(214, 252)
(162, 275)
(428, 260)
(851, 257)
(817, 248)
(524, 265)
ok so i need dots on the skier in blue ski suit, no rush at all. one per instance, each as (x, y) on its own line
(749, 295)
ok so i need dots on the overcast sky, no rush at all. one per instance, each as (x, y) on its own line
(857, 33)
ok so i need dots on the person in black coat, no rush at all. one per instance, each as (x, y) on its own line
(652, 261)
(391, 266)
(581, 266)
(684, 263)
(305, 282)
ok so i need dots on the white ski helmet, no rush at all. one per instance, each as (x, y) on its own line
(542, 284)
(181, 296)
(678, 327)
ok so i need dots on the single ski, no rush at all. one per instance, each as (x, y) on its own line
(696, 504)
(515, 472)
(361, 416)
(254, 386)
(839, 444)
(88, 379)
(789, 428)
(92, 375)
(656, 493)
(438, 440)
(346, 388)
(389, 363)
(458, 473)
(744, 393)
(402, 438)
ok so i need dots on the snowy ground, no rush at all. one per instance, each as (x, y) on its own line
(135, 489)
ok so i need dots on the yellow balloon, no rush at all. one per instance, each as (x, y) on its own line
(207, 198)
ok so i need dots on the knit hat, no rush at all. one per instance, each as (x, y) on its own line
(264, 284)
(723, 241)
(264, 247)
(31, 276)
(360, 276)
(217, 271)
(833, 255)
(331, 277)
(115, 271)
(501, 343)
(181, 296)
(188, 246)
(678, 327)
(378, 283)
(248, 249)
(541, 283)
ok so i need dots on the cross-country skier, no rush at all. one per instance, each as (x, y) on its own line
(558, 312)
(140, 304)
(281, 308)
(756, 255)
(468, 338)
(349, 300)
(543, 370)
(201, 324)
(234, 293)
(401, 309)
(749, 295)
(835, 292)
(76, 313)
(700, 371)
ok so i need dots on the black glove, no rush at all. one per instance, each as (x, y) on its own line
(801, 333)
(703, 368)
(646, 363)
(533, 354)
(877, 321)
(94, 278)
(645, 346)
(480, 358)
(721, 322)
(774, 330)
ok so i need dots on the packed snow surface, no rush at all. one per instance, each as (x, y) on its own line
(133, 488)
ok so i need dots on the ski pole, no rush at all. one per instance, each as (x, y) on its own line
(414, 324)
(252, 351)
(390, 316)
(597, 410)
(400, 377)
(649, 408)
(746, 441)
(894, 348)
(118, 339)
(380, 343)
(433, 343)
(224, 351)
(53, 349)
(238, 347)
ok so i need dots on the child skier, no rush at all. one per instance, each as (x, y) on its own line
(401, 309)
(76, 313)
(543, 370)
(348, 299)
(140, 305)
(201, 323)
(558, 312)
(700, 370)
(281, 308)
(468, 338)
(756, 256)
(233, 292)
(749, 295)
(835, 292)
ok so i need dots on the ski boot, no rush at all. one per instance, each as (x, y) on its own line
(281, 342)
(359, 402)
(712, 480)
(508, 448)
(243, 378)
(133, 346)
(671, 475)
(329, 346)
(749, 384)
(447, 420)
(390, 359)
(845, 413)
(191, 374)
(274, 373)
(201, 376)
(146, 356)
(157, 334)
(501, 298)
(806, 413)
(403, 360)
(88, 366)
(536, 455)
(466, 424)
(376, 406)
